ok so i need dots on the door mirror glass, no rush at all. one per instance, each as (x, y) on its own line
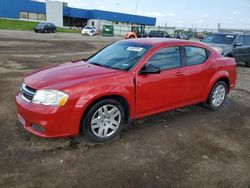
(150, 69)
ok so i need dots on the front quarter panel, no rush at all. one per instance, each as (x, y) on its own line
(85, 94)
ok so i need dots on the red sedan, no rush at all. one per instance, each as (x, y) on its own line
(126, 80)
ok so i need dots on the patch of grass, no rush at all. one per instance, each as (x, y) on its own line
(28, 26)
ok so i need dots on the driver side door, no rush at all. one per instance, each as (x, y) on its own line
(164, 90)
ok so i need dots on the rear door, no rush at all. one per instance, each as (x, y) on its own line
(242, 52)
(199, 71)
(246, 44)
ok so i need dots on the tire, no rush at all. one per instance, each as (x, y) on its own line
(132, 37)
(247, 64)
(45, 31)
(217, 96)
(53, 31)
(100, 127)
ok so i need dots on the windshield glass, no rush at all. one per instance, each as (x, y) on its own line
(41, 24)
(121, 55)
(219, 39)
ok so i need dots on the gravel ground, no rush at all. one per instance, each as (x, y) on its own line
(187, 147)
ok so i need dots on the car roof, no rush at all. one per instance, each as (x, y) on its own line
(156, 41)
(224, 33)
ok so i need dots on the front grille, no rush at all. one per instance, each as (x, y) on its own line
(27, 93)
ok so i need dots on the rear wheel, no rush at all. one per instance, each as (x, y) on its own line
(217, 95)
(104, 120)
(132, 37)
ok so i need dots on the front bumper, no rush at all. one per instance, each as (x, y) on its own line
(39, 30)
(46, 121)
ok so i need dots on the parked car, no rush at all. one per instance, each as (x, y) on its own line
(182, 36)
(89, 30)
(231, 45)
(126, 80)
(158, 34)
(45, 27)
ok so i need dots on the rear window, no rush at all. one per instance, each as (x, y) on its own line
(219, 38)
(195, 55)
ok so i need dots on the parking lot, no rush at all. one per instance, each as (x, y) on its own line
(188, 147)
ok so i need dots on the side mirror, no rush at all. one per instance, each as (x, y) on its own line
(150, 69)
(238, 44)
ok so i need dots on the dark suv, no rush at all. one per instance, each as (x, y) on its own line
(158, 34)
(231, 45)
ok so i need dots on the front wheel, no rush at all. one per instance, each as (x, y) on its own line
(104, 121)
(217, 95)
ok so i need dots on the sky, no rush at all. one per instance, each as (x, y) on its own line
(179, 13)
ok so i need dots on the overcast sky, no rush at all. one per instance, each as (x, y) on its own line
(180, 13)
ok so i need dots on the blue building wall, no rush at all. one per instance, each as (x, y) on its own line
(11, 8)
(121, 17)
(75, 12)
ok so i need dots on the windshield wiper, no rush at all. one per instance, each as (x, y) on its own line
(97, 64)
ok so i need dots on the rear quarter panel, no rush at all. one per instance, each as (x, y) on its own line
(226, 68)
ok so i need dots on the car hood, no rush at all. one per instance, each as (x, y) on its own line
(38, 27)
(67, 74)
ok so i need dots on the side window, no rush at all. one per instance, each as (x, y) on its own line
(246, 40)
(195, 55)
(166, 58)
(239, 39)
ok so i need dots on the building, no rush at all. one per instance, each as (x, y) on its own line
(61, 14)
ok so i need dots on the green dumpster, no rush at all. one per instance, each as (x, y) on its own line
(108, 31)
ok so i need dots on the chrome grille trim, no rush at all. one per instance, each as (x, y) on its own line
(27, 93)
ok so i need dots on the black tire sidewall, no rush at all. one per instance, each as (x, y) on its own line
(86, 123)
(210, 103)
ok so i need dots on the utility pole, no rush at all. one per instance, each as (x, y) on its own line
(117, 7)
(136, 6)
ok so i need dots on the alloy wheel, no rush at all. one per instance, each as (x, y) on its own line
(106, 121)
(218, 95)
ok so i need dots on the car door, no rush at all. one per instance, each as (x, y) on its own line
(158, 92)
(239, 49)
(199, 72)
(246, 45)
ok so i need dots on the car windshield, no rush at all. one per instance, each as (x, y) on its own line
(41, 24)
(219, 38)
(121, 55)
(88, 27)
(154, 32)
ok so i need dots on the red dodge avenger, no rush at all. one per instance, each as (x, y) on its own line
(124, 81)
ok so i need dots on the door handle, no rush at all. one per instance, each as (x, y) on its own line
(211, 67)
(179, 74)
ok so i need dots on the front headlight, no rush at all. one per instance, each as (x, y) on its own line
(50, 98)
(218, 49)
